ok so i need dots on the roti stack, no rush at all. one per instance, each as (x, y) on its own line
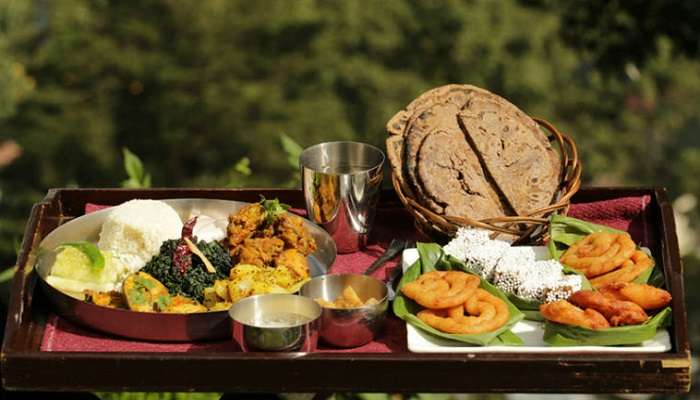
(462, 151)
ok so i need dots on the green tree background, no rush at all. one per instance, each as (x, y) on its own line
(204, 92)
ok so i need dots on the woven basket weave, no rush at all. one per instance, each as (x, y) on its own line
(531, 228)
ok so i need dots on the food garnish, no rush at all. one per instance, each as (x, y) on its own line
(195, 250)
(182, 256)
(273, 209)
(347, 299)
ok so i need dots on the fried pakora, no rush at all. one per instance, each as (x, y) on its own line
(563, 312)
(295, 261)
(617, 312)
(646, 296)
(258, 251)
(244, 224)
(291, 229)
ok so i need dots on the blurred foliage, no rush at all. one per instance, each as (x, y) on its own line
(133, 166)
(202, 90)
(605, 29)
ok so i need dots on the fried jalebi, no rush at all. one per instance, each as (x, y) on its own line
(441, 289)
(630, 270)
(646, 296)
(617, 312)
(599, 253)
(563, 312)
(486, 314)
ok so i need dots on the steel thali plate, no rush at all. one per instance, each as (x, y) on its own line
(155, 326)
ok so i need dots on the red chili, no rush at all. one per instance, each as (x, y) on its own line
(182, 256)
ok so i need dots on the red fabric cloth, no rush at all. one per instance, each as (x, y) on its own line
(631, 214)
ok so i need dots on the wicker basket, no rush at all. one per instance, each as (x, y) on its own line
(531, 228)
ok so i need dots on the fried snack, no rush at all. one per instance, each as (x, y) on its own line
(106, 299)
(295, 261)
(258, 251)
(599, 253)
(563, 312)
(630, 270)
(347, 299)
(243, 224)
(617, 312)
(441, 289)
(646, 296)
(486, 313)
(144, 292)
(291, 229)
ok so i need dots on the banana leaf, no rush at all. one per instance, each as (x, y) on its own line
(565, 335)
(565, 231)
(432, 258)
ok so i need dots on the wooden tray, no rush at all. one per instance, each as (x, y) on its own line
(25, 367)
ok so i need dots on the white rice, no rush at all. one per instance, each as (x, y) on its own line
(134, 231)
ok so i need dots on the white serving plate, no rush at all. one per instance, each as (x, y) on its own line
(529, 331)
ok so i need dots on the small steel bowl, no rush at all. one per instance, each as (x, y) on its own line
(276, 322)
(349, 327)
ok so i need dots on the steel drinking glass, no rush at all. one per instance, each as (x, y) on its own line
(341, 183)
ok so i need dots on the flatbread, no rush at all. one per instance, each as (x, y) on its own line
(452, 93)
(394, 151)
(517, 156)
(439, 116)
(451, 175)
(472, 177)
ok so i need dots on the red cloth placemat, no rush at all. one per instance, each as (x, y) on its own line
(630, 214)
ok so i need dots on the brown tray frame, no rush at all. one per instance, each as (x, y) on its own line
(25, 367)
